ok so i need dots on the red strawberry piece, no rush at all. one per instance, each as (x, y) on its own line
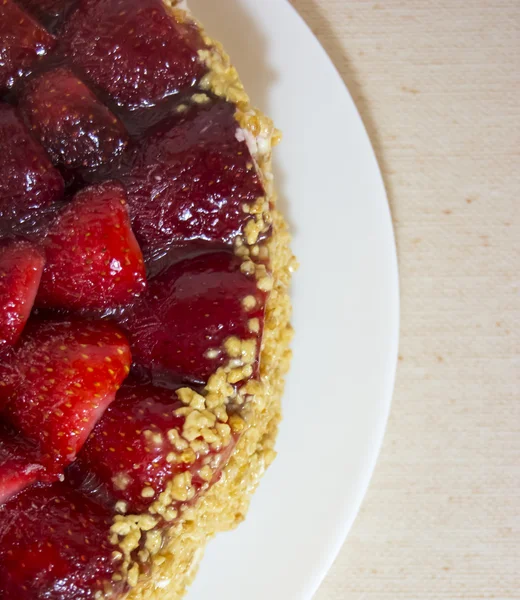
(49, 12)
(22, 42)
(191, 179)
(19, 463)
(179, 326)
(93, 259)
(28, 181)
(138, 448)
(21, 266)
(134, 50)
(70, 122)
(54, 544)
(58, 381)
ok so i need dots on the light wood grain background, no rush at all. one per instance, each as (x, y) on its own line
(438, 86)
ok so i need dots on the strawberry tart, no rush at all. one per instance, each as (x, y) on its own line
(144, 309)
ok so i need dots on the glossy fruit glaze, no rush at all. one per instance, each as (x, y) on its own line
(124, 188)
(76, 129)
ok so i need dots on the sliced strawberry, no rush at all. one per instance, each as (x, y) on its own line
(179, 326)
(19, 463)
(28, 181)
(54, 544)
(59, 380)
(134, 50)
(22, 42)
(21, 266)
(138, 448)
(191, 180)
(93, 259)
(70, 122)
(49, 12)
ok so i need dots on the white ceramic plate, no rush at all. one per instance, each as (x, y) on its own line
(346, 311)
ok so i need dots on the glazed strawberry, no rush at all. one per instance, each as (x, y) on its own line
(48, 12)
(59, 380)
(191, 179)
(93, 259)
(134, 50)
(180, 325)
(22, 42)
(138, 448)
(54, 545)
(21, 266)
(28, 181)
(72, 125)
(19, 463)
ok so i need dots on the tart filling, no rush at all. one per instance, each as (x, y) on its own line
(144, 274)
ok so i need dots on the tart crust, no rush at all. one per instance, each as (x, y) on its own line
(225, 504)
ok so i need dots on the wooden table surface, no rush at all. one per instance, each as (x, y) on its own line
(438, 87)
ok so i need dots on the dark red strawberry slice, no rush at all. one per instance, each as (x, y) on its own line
(138, 455)
(22, 42)
(59, 380)
(21, 266)
(28, 181)
(54, 544)
(134, 50)
(73, 126)
(49, 12)
(181, 323)
(191, 179)
(93, 259)
(19, 463)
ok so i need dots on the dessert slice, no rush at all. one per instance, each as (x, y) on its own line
(143, 353)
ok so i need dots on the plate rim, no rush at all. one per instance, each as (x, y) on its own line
(382, 423)
(378, 425)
